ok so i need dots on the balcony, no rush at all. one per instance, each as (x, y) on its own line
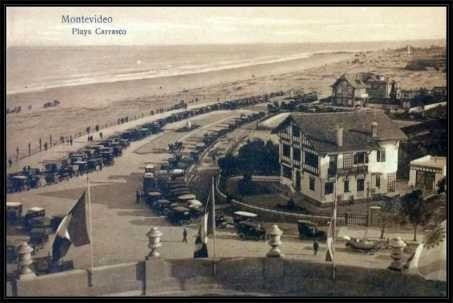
(355, 170)
(331, 172)
(312, 170)
(285, 136)
(286, 159)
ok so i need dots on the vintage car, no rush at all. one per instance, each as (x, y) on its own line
(13, 212)
(239, 216)
(17, 183)
(152, 196)
(81, 167)
(94, 163)
(39, 222)
(365, 245)
(222, 221)
(179, 215)
(250, 230)
(149, 182)
(34, 212)
(185, 198)
(309, 230)
(161, 206)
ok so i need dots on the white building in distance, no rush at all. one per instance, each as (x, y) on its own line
(426, 172)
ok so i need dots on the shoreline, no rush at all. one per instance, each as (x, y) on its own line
(110, 79)
(68, 95)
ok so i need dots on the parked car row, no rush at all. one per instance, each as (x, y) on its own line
(35, 224)
(102, 153)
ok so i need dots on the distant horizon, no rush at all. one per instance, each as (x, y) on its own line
(442, 40)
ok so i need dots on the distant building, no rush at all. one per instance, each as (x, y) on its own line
(426, 172)
(358, 89)
(352, 154)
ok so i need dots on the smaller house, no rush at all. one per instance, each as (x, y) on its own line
(358, 89)
(426, 172)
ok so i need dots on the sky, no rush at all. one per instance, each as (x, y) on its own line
(42, 26)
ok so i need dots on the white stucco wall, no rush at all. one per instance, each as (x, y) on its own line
(391, 159)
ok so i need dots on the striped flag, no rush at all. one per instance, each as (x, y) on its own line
(72, 230)
(204, 228)
(329, 242)
(330, 254)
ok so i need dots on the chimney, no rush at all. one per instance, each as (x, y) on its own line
(339, 136)
(374, 126)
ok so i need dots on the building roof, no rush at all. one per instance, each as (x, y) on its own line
(321, 129)
(430, 161)
(360, 80)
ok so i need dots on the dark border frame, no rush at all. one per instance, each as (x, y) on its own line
(218, 3)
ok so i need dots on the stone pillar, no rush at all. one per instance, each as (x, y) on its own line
(154, 242)
(275, 242)
(397, 246)
(25, 262)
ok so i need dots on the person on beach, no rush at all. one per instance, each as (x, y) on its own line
(184, 235)
(137, 195)
(315, 247)
(10, 162)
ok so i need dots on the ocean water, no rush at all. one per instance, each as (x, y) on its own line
(37, 68)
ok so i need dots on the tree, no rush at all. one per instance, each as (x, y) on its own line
(416, 209)
(390, 213)
(245, 185)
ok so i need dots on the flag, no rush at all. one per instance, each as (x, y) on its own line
(329, 242)
(72, 230)
(204, 228)
(430, 257)
(331, 235)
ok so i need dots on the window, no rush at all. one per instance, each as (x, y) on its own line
(296, 132)
(286, 150)
(347, 160)
(360, 184)
(328, 188)
(312, 183)
(296, 154)
(287, 172)
(346, 186)
(360, 158)
(311, 159)
(391, 178)
(378, 181)
(380, 156)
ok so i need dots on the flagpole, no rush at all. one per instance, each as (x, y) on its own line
(91, 225)
(213, 220)
(334, 231)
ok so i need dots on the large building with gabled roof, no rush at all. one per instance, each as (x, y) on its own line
(349, 154)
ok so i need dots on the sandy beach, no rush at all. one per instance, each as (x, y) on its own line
(103, 103)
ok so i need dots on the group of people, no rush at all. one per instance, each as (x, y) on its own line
(201, 248)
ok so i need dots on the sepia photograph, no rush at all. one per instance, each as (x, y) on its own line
(228, 151)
